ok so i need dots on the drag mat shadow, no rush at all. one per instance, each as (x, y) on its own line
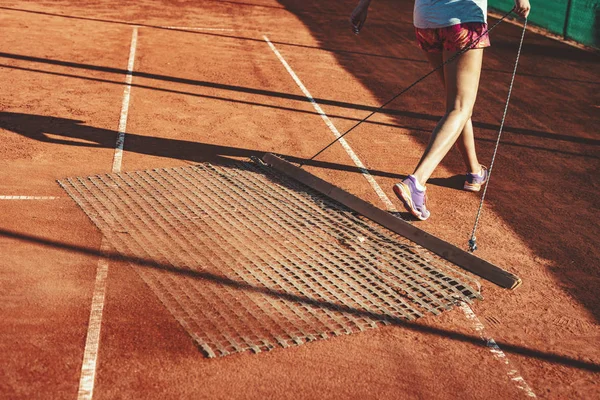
(549, 199)
(70, 132)
(221, 280)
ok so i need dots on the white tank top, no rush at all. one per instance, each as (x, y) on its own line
(442, 13)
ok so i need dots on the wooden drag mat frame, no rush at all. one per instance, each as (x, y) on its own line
(444, 249)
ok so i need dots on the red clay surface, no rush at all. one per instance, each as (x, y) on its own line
(208, 95)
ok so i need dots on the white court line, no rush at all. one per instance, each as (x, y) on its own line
(92, 342)
(342, 141)
(499, 355)
(118, 159)
(191, 28)
(478, 326)
(28, 198)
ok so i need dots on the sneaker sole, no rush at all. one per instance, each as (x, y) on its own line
(472, 187)
(404, 195)
(476, 187)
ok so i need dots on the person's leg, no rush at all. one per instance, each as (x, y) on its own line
(435, 60)
(466, 146)
(462, 82)
(466, 141)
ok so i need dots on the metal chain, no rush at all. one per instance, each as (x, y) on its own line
(454, 57)
(473, 240)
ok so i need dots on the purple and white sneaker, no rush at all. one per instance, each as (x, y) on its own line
(474, 182)
(414, 199)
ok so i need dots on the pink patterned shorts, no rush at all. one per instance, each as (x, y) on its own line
(453, 38)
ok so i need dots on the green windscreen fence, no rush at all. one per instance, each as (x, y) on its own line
(578, 20)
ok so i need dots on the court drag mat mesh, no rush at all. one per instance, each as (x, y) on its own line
(246, 258)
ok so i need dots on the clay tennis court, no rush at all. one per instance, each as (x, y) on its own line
(209, 83)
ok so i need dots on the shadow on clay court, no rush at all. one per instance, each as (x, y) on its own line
(332, 50)
(221, 280)
(72, 132)
(414, 116)
(181, 29)
(544, 48)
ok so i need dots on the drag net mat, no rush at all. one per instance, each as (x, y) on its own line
(246, 258)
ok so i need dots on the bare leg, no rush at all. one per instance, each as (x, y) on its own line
(462, 83)
(466, 141)
(435, 60)
(466, 146)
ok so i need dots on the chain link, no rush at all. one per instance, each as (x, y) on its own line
(473, 240)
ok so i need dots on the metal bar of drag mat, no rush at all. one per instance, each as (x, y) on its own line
(444, 249)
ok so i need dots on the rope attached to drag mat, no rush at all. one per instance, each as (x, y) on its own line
(473, 240)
